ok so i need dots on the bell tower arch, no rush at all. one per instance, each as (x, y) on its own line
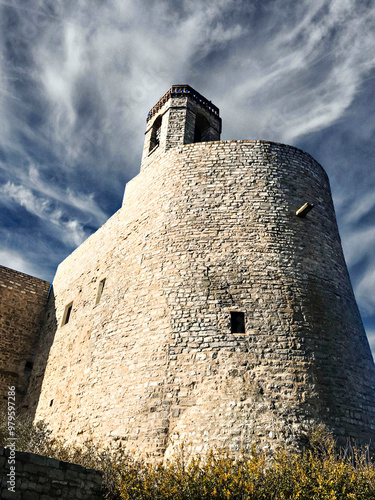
(181, 116)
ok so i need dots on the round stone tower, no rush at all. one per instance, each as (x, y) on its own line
(227, 317)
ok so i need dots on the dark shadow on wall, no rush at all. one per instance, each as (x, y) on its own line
(42, 349)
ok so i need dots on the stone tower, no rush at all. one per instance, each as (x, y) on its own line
(181, 116)
(211, 308)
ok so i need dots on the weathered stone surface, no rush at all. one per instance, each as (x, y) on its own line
(22, 302)
(207, 229)
(34, 481)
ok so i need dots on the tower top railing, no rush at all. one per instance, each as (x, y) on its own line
(186, 90)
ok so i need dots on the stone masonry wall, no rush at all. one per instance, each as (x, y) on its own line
(42, 478)
(22, 302)
(207, 229)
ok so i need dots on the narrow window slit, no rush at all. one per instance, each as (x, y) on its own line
(100, 291)
(67, 314)
(237, 322)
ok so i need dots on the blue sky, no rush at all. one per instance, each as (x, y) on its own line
(78, 78)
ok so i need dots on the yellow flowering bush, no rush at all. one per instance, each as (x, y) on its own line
(321, 472)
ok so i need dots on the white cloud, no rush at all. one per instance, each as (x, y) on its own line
(358, 244)
(14, 260)
(83, 202)
(76, 232)
(70, 230)
(365, 290)
(361, 206)
(304, 77)
(371, 338)
(59, 67)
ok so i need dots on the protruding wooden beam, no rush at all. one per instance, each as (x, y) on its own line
(304, 210)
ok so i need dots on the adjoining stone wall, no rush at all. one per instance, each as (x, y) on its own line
(208, 229)
(42, 478)
(22, 302)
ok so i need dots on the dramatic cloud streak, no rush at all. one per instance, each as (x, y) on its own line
(77, 80)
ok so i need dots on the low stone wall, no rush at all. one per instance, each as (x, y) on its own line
(42, 478)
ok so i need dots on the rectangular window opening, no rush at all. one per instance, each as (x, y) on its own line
(29, 366)
(237, 322)
(100, 291)
(67, 313)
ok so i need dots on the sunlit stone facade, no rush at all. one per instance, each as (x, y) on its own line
(154, 352)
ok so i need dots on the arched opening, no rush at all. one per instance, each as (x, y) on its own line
(202, 128)
(155, 133)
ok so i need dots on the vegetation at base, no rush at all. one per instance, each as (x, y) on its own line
(320, 472)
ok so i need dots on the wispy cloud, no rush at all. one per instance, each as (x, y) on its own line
(9, 258)
(361, 207)
(304, 77)
(358, 244)
(85, 203)
(69, 230)
(358, 239)
(371, 337)
(365, 290)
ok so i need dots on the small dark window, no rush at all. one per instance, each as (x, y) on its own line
(100, 291)
(67, 313)
(155, 133)
(51, 403)
(29, 366)
(202, 129)
(237, 322)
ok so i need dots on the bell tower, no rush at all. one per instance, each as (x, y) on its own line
(181, 116)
